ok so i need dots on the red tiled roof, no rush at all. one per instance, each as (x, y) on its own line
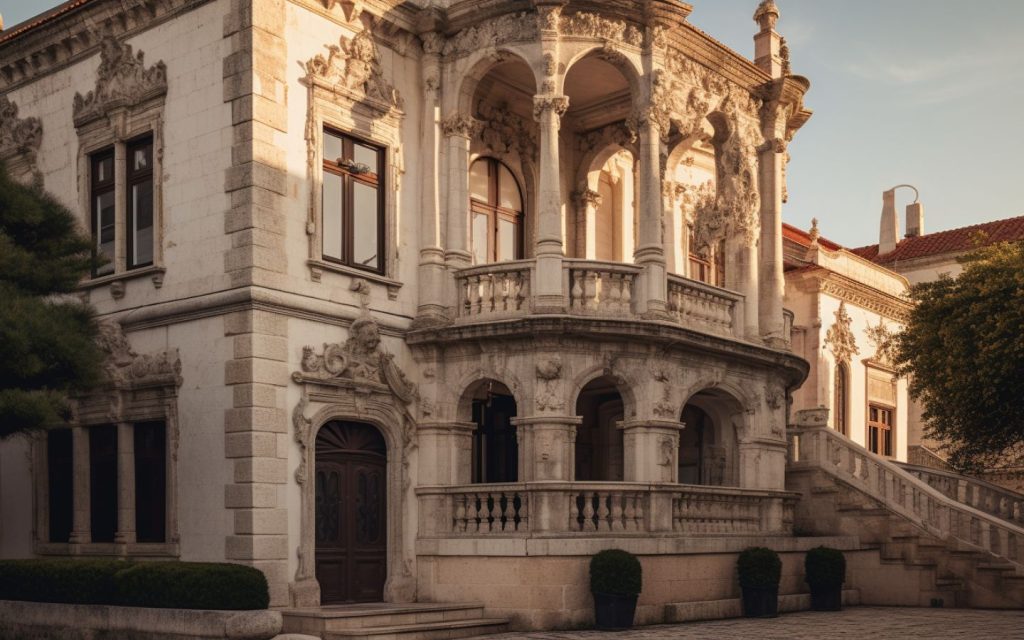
(39, 20)
(801, 237)
(951, 241)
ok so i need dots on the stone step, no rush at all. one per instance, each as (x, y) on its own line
(362, 616)
(424, 630)
(733, 608)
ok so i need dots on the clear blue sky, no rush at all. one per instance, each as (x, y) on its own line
(929, 92)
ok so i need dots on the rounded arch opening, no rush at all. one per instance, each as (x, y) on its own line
(692, 170)
(599, 441)
(708, 445)
(496, 212)
(495, 450)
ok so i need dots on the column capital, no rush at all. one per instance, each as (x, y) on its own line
(651, 425)
(587, 198)
(545, 103)
(461, 126)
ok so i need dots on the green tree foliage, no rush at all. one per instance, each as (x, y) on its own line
(47, 337)
(963, 349)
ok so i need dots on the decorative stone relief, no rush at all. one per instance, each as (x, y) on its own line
(354, 66)
(19, 137)
(461, 125)
(840, 338)
(557, 104)
(666, 451)
(549, 18)
(663, 407)
(122, 80)
(352, 8)
(504, 132)
(883, 340)
(590, 25)
(598, 139)
(549, 395)
(586, 197)
(857, 294)
(126, 368)
(503, 29)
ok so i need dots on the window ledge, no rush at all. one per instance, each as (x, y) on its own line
(109, 549)
(317, 268)
(117, 280)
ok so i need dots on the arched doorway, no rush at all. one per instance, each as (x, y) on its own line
(351, 513)
(708, 449)
(599, 442)
(495, 445)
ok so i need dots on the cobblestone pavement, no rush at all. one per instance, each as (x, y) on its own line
(867, 623)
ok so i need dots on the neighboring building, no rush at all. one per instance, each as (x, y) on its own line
(393, 284)
(846, 310)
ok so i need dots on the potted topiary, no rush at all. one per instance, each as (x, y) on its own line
(615, 580)
(760, 570)
(825, 571)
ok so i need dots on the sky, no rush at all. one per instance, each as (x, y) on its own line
(925, 92)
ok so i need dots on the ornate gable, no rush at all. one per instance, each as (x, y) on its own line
(840, 338)
(353, 67)
(122, 81)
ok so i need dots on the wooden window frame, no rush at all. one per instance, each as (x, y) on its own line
(496, 213)
(98, 188)
(841, 389)
(133, 178)
(349, 176)
(882, 427)
(710, 270)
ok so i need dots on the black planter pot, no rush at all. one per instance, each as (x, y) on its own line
(827, 598)
(613, 612)
(761, 602)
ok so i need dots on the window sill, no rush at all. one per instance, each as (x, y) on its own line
(109, 549)
(318, 267)
(117, 280)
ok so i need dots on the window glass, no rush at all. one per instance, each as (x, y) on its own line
(367, 156)
(332, 215)
(481, 224)
(150, 482)
(104, 205)
(332, 148)
(506, 240)
(103, 482)
(508, 190)
(479, 181)
(140, 158)
(364, 225)
(104, 170)
(142, 222)
(60, 476)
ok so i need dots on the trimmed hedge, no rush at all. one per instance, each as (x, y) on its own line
(825, 568)
(163, 585)
(759, 567)
(616, 572)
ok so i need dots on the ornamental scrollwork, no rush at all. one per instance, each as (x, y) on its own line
(590, 25)
(549, 371)
(555, 104)
(19, 137)
(461, 125)
(122, 80)
(503, 29)
(884, 342)
(355, 66)
(503, 132)
(123, 367)
(840, 338)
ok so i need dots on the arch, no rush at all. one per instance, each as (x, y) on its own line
(629, 69)
(625, 386)
(471, 383)
(719, 422)
(477, 67)
(495, 448)
(497, 212)
(600, 444)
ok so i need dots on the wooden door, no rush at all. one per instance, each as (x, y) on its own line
(351, 513)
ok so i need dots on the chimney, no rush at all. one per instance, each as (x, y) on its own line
(915, 220)
(768, 44)
(890, 229)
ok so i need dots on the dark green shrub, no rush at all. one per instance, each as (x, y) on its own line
(60, 580)
(759, 567)
(616, 572)
(193, 585)
(166, 585)
(825, 568)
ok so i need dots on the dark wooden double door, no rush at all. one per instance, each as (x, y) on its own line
(351, 513)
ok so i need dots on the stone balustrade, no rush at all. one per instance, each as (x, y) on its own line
(983, 496)
(599, 288)
(601, 508)
(703, 307)
(495, 290)
(905, 494)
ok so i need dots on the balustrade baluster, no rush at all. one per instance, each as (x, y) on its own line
(576, 295)
(588, 511)
(677, 513)
(472, 514)
(460, 513)
(524, 512)
(574, 513)
(603, 512)
(614, 294)
(626, 297)
(509, 516)
(616, 511)
(590, 290)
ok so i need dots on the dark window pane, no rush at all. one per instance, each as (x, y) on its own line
(332, 148)
(150, 482)
(60, 461)
(332, 215)
(140, 158)
(363, 155)
(103, 482)
(142, 223)
(104, 168)
(365, 220)
(104, 226)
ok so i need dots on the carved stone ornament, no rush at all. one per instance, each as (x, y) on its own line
(549, 371)
(504, 132)
(122, 80)
(587, 197)
(767, 14)
(883, 340)
(555, 104)
(126, 368)
(352, 8)
(354, 67)
(360, 360)
(840, 338)
(19, 137)
(663, 407)
(503, 29)
(590, 25)
(461, 125)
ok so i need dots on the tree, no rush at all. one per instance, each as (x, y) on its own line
(47, 336)
(963, 348)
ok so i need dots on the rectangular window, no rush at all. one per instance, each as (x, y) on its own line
(139, 200)
(353, 208)
(103, 482)
(880, 431)
(101, 194)
(60, 476)
(150, 482)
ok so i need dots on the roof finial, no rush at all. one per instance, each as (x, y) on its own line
(767, 15)
(814, 234)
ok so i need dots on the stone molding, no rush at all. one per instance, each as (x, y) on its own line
(863, 296)
(352, 70)
(20, 139)
(122, 81)
(506, 28)
(839, 337)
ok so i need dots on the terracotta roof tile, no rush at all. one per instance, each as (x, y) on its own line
(803, 238)
(951, 241)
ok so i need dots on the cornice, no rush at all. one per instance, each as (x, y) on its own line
(72, 36)
(859, 294)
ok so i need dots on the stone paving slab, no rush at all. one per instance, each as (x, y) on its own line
(865, 623)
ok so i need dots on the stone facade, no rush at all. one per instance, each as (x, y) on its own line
(628, 372)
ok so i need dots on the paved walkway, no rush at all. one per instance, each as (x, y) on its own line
(863, 623)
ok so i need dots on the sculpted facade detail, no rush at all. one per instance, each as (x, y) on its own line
(883, 340)
(840, 338)
(354, 65)
(549, 397)
(504, 132)
(124, 367)
(19, 137)
(461, 125)
(122, 80)
(590, 25)
(506, 28)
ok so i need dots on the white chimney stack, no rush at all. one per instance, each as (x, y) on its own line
(890, 229)
(915, 220)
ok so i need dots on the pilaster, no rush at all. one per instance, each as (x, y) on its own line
(446, 450)
(432, 259)
(651, 450)
(549, 250)
(547, 447)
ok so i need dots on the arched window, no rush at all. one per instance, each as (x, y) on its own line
(841, 397)
(496, 213)
(709, 268)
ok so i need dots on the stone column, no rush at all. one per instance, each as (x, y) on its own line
(432, 269)
(744, 279)
(125, 484)
(446, 450)
(772, 280)
(587, 202)
(651, 450)
(547, 447)
(548, 250)
(762, 463)
(650, 253)
(459, 130)
(81, 527)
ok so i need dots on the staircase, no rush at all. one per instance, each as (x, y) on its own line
(974, 492)
(968, 557)
(385, 621)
